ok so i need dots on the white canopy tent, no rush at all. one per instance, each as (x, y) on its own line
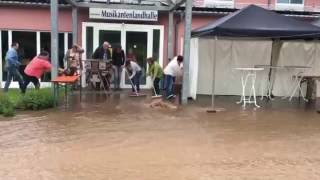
(232, 53)
(254, 32)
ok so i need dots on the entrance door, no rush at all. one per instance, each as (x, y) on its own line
(112, 36)
(137, 45)
(137, 39)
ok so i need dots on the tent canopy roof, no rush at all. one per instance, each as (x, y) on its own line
(254, 21)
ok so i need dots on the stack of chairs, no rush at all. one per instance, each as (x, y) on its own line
(99, 74)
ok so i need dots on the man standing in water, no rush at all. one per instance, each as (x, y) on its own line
(171, 71)
(103, 53)
(118, 60)
(12, 66)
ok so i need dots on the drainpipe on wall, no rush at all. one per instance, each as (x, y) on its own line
(176, 28)
(74, 25)
(171, 30)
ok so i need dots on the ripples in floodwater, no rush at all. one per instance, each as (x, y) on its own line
(124, 139)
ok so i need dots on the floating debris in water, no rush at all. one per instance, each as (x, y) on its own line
(159, 103)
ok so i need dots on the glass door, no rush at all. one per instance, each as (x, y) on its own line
(111, 36)
(105, 32)
(137, 47)
(136, 40)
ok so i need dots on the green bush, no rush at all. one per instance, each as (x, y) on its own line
(6, 106)
(36, 100)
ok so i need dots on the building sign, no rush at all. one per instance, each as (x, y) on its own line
(218, 4)
(123, 14)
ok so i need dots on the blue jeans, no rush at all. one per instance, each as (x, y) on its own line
(168, 84)
(156, 83)
(136, 81)
(117, 76)
(13, 72)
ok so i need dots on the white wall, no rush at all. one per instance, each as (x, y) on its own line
(194, 61)
(247, 53)
(230, 54)
(296, 53)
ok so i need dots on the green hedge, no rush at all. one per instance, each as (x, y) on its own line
(36, 100)
(6, 106)
(32, 100)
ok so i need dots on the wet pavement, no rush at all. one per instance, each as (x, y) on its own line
(121, 138)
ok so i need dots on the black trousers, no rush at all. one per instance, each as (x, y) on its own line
(29, 79)
(156, 85)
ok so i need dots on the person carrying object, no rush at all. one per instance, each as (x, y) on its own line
(103, 52)
(36, 68)
(156, 73)
(171, 71)
(73, 60)
(12, 67)
(135, 75)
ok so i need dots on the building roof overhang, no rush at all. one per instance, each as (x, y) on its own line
(160, 5)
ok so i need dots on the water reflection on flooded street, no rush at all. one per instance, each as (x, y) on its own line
(123, 139)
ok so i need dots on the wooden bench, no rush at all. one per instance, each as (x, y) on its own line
(65, 80)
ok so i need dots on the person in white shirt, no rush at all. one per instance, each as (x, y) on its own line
(171, 71)
(135, 71)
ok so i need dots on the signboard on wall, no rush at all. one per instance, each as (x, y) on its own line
(123, 14)
(218, 3)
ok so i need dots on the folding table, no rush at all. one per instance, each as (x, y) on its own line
(246, 74)
(66, 80)
(297, 78)
(270, 81)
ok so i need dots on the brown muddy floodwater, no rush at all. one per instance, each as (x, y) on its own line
(123, 139)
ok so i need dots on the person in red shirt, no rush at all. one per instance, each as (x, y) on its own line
(35, 69)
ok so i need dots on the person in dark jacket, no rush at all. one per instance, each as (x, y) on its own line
(118, 60)
(102, 52)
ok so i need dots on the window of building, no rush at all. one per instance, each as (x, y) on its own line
(27, 47)
(89, 42)
(69, 40)
(4, 49)
(61, 50)
(45, 41)
(45, 45)
(289, 5)
(156, 44)
(290, 1)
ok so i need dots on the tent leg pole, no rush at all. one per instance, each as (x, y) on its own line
(213, 109)
(214, 73)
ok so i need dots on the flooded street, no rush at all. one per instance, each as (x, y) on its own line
(123, 139)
